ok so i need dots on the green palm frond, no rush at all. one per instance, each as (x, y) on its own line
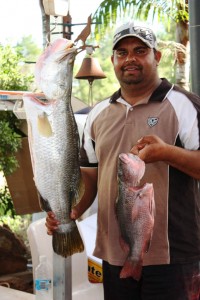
(110, 11)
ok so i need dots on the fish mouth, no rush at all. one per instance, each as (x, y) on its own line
(124, 157)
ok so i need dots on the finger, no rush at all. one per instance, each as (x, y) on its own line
(143, 141)
(49, 232)
(74, 214)
(134, 150)
(51, 224)
(51, 228)
(140, 140)
(51, 214)
(51, 218)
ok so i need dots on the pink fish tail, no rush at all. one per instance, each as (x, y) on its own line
(131, 269)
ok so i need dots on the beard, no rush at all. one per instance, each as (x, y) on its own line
(131, 79)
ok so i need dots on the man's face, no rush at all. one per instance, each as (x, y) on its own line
(134, 62)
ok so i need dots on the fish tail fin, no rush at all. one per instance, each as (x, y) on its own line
(67, 242)
(131, 269)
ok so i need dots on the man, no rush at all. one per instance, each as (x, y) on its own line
(160, 123)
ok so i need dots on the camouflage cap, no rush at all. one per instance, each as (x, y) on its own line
(146, 35)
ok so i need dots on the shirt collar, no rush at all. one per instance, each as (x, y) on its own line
(160, 93)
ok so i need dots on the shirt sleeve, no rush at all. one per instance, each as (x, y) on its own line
(187, 115)
(87, 151)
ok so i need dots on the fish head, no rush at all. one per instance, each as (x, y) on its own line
(54, 69)
(130, 168)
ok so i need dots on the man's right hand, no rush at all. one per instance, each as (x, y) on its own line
(51, 223)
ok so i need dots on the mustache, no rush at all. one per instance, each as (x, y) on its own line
(131, 65)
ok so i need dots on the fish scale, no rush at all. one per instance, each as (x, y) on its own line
(54, 143)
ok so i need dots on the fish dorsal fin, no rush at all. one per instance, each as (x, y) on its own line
(44, 126)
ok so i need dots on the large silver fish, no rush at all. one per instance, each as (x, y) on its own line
(135, 213)
(54, 142)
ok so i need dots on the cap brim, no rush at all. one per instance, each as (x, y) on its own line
(132, 35)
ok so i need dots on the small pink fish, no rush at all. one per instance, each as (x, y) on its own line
(135, 213)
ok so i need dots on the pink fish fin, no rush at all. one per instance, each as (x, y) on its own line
(125, 247)
(132, 269)
(152, 213)
(67, 242)
(148, 244)
(152, 207)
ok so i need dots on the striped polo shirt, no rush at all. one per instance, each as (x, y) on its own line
(113, 126)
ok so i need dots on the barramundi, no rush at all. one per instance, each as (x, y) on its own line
(135, 209)
(54, 142)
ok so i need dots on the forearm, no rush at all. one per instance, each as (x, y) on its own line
(187, 161)
(152, 149)
(89, 176)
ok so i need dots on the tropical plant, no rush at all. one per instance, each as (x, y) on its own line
(13, 77)
(6, 204)
(165, 11)
(9, 143)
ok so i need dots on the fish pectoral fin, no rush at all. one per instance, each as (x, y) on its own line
(44, 204)
(44, 126)
(79, 193)
(148, 243)
(148, 246)
(152, 207)
(125, 247)
(81, 188)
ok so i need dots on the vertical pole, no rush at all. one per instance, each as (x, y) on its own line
(67, 28)
(194, 35)
(45, 24)
(62, 277)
